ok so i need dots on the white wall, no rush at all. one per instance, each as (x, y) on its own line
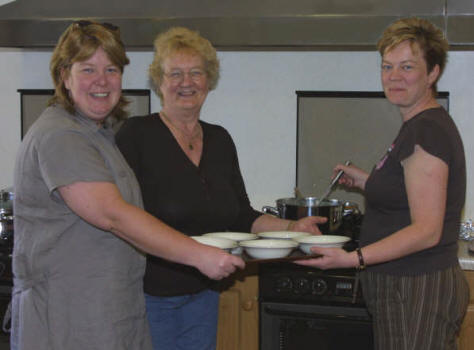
(255, 100)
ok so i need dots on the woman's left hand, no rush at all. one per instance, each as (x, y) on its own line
(330, 258)
(307, 224)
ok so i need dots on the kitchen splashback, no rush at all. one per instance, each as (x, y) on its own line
(335, 126)
(34, 101)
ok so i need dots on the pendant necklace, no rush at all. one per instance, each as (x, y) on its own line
(190, 139)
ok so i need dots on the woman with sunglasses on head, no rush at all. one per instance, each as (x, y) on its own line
(413, 284)
(80, 233)
(190, 178)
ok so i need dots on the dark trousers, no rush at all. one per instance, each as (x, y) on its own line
(420, 312)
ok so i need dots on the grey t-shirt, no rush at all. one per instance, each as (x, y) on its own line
(76, 286)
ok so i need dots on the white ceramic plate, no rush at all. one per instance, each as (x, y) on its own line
(282, 234)
(218, 242)
(235, 236)
(324, 241)
(268, 248)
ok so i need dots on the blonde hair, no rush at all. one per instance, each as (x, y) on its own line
(78, 43)
(429, 38)
(182, 39)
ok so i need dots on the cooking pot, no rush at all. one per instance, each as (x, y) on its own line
(6, 230)
(6, 202)
(297, 208)
(6, 218)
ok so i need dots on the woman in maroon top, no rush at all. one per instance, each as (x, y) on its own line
(413, 285)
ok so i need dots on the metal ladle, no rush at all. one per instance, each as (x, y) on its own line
(333, 182)
(298, 193)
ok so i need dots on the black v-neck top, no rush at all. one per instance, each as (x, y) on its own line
(191, 199)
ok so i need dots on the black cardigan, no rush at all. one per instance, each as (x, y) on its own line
(193, 200)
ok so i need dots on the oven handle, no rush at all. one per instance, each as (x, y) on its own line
(323, 316)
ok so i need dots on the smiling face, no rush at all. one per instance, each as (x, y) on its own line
(189, 92)
(405, 78)
(95, 85)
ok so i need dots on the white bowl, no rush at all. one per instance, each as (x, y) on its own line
(268, 248)
(324, 241)
(235, 236)
(218, 242)
(282, 234)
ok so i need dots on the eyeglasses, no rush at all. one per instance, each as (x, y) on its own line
(85, 23)
(177, 76)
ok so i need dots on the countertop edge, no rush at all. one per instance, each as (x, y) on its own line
(466, 258)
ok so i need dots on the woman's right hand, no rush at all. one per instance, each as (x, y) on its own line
(217, 264)
(352, 176)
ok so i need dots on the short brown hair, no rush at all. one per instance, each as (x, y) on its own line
(429, 38)
(79, 42)
(183, 39)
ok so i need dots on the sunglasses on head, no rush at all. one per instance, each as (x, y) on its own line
(85, 23)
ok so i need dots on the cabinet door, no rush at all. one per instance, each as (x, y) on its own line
(466, 335)
(228, 330)
(238, 313)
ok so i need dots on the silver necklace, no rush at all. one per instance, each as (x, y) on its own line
(189, 139)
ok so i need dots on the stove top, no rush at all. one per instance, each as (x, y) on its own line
(291, 283)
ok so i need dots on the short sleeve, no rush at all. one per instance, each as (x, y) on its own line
(431, 136)
(66, 157)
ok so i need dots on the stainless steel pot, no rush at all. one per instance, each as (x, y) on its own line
(297, 208)
(6, 202)
(6, 230)
(6, 218)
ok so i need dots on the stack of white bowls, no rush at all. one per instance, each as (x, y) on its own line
(270, 245)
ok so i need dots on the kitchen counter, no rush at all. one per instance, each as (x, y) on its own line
(466, 258)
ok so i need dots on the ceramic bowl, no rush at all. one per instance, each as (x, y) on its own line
(218, 242)
(282, 234)
(268, 248)
(235, 236)
(324, 241)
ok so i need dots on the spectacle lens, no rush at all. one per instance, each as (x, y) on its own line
(178, 75)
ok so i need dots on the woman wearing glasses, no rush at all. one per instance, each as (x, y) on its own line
(190, 178)
(80, 232)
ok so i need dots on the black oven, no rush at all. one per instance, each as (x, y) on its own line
(5, 296)
(6, 278)
(306, 308)
(6, 283)
(309, 327)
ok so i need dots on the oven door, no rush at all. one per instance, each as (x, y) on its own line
(308, 326)
(5, 297)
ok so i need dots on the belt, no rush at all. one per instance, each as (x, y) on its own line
(23, 284)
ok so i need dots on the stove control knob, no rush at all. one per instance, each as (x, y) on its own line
(319, 286)
(283, 284)
(302, 286)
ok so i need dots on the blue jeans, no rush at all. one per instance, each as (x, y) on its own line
(185, 322)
